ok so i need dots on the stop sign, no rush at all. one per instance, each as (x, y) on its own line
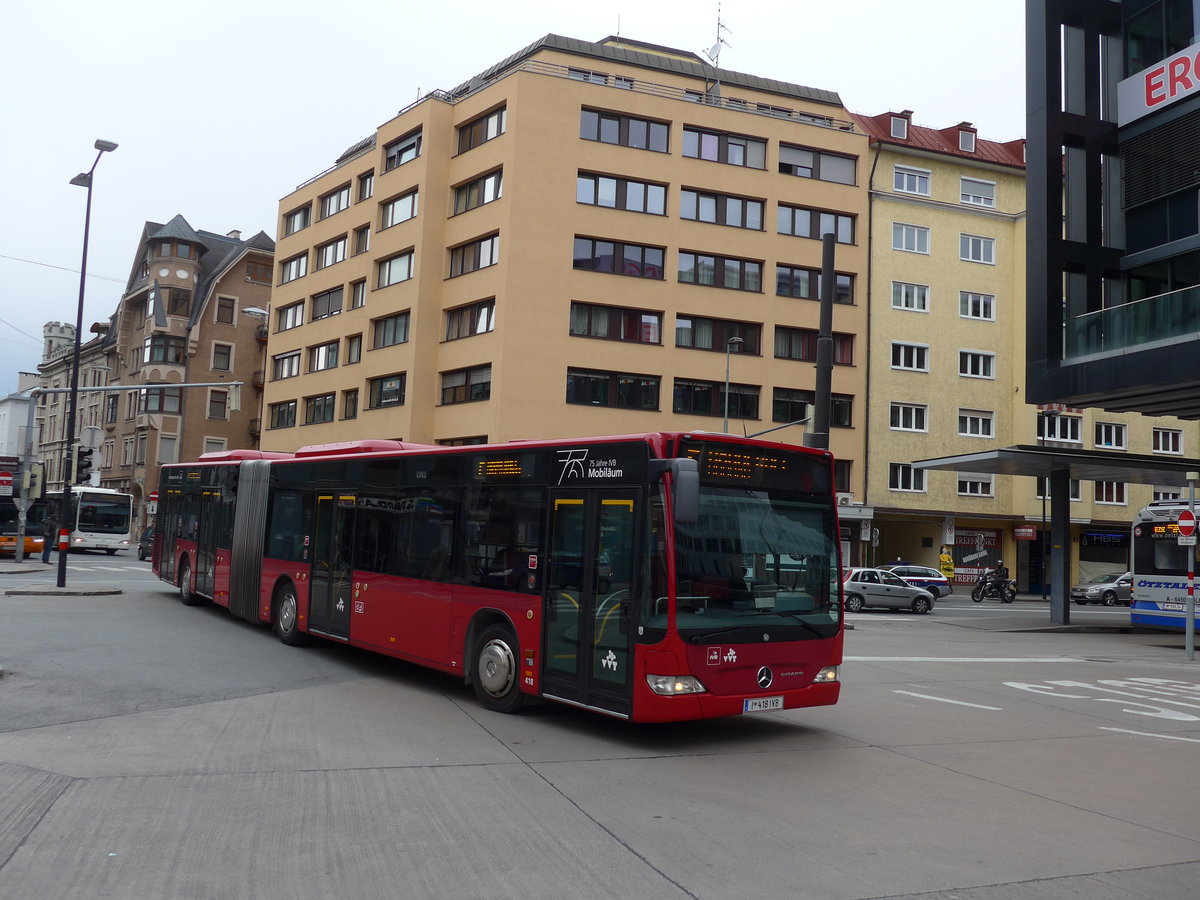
(1187, 522)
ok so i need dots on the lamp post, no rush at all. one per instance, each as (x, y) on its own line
(84, 180)
(729, 345)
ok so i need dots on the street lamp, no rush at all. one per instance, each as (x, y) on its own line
(84, 180)
(729, 345)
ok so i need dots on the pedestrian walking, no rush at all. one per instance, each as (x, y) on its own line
(49, 536)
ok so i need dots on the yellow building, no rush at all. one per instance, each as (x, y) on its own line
(947, 371)
(582, 239)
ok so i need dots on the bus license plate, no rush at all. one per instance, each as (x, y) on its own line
(759, 704)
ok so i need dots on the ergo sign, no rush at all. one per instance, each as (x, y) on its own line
(1160, 85)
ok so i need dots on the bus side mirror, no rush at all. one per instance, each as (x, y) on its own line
(685, 487)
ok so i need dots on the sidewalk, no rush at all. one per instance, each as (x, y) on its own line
(10, 570)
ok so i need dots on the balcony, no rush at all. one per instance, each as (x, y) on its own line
(255, 427)
(258, 379)
(260, 333)
(1155, 321)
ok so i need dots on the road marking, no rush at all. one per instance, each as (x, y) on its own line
(964, 659)
(132, 568)
(944, 700)
(1165, 737)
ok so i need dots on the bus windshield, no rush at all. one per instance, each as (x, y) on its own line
(757, 559)
(103, 514)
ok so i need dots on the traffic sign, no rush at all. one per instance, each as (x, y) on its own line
(153, 496)
(6, 484)
(1187, 522)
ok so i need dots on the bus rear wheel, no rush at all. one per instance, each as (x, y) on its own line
(495, 674)
(286, 621)
(185, 592)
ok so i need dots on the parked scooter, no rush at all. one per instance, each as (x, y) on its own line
(995, 589)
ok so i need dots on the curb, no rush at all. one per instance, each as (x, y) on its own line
(41, 590)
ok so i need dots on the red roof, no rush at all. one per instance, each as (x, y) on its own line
(944, 140)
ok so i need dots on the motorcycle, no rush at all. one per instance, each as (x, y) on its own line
(987, 587)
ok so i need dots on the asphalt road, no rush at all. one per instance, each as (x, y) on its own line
(149, 750)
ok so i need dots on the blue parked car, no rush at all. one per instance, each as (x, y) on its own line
(924, 577)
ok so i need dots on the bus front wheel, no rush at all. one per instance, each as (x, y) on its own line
(495, 675)
(287, 616)
(185, 587)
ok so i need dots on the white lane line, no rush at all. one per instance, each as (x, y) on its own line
(964, 659)
(132, 568)
(944, 700)
(1165, 737)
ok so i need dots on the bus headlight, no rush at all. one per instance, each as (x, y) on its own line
(827, 675)
(670, 685)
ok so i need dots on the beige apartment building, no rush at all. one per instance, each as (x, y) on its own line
(577, 241)
(50, 414)
(947, 368)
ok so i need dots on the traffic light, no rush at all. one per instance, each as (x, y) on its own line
(83, 465)
(33, 478)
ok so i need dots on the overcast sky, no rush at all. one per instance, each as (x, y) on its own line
(220, 108)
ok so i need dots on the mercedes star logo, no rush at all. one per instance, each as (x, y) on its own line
(765, 678)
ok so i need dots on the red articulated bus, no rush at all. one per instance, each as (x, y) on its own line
(652, 577)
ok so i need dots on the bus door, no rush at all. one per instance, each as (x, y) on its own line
(329, 598)
(206, 542)
(588, 656)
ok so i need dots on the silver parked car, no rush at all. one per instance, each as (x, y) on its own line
(1108, 589)
(879, 587)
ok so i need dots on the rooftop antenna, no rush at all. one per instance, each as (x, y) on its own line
(714, 55)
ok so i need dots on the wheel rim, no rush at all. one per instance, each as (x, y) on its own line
(497, 668)
(854, 604)
(287, 612)
(1110, 599)
(920, 605)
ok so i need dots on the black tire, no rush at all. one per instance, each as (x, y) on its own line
(285, 616)
(920, 605)
(186, 597)
(1109, 598)
(1008, 596)
(1081, 601)
(854, 603)
(110, 552)
(141, 556)
(977, 594)
(496, 673)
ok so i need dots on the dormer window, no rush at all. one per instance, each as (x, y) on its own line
(900, 128)
(966, 141)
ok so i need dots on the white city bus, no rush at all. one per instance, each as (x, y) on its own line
(101, 519)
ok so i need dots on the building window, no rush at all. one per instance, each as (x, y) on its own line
(297, 219)
(796, 281)
(289, 316)
(790, 405)
(474, 318)
(291, 269)
(909, 417)
(707, 398)
(1110, 435)
(913, 357)
(976, 423)
(966, 141)
(323, 356)
(721, 209)
(362, 239)
(616, 389)
(903, 477)
(474, 256)
(1052, 427)
(350, 404)
(806, 162)
(899, 129)
(333, 252)
(164, 348)
(621, 193)
(801, 344)
(168, 445)
(406, 149)
(222, 357)
(626, 131)
(978, 193)
(226, 310)
(720, 271)
(218, 404)
(396, 269)
(318, 409)
(259, 273)
(723, 147)
(616, 323)
(160, 400)
(618, 258)
(467, 385)
(481, 130)
(398, 210)
(972, 248)
(1042, 488)
(914, 297)
(714, 334)
(366, 186)
(1167, 440)
(975, 484)
(976, 306)
(800, 221)
(111, 406)
(283, 415)
(910, 238)
(1110, 492)
(387, 390)
(179, 302)
(335, 201)
(907, 180)
(389, 331)
(976, 364)
(285, 365)
(358, 294)
(353, 349)
(1167, 493)
(476, 193)
(215, 445)
(326, 304)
